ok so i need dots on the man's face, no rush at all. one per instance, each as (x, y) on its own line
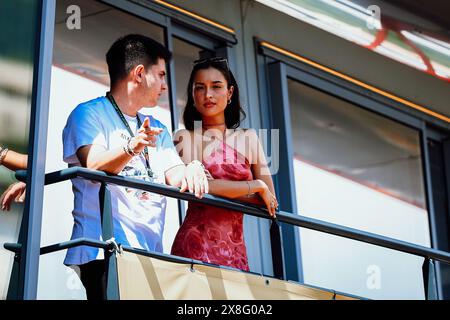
(155, 83)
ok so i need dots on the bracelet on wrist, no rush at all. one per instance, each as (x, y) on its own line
(199, 163)
(3, 152)
(125, 149)
(128, 150)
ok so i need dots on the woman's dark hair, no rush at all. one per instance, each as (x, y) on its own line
(233, 111)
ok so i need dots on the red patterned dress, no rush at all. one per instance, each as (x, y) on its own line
(213, 234)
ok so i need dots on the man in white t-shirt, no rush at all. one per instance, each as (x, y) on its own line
(109, 134)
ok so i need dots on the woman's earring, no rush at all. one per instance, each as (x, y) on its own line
(229, 101)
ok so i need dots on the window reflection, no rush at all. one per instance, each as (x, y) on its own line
(355, 21)
(357, 169)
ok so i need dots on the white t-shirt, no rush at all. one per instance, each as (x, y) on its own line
(138, 216)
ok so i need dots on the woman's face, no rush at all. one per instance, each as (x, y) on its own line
(210, 92)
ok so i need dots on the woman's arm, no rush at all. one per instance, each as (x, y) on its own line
(14, 160)
(238, 190)
(235, 189)
(184, 142)
(258, 160)
(261, 188)
(261, 171)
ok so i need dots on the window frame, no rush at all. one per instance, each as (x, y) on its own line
(24, 276)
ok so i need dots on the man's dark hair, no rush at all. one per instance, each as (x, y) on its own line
(131, 50)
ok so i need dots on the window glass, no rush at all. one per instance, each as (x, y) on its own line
(361, 170)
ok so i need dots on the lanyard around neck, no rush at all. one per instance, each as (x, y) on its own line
(125, 123)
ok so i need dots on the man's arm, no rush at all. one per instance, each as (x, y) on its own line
(97, 157)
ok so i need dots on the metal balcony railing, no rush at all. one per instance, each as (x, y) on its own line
(429, 255)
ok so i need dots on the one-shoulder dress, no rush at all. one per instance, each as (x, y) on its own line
(211, 234)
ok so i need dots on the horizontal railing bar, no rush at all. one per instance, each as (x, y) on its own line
(172, 192)
(63, 175)
(21, 175)
(363, 236)
(75, 243)
(13, 247)
(54, 177)
(293, 219)
(165, 190)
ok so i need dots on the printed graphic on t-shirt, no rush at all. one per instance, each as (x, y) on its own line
(135, 169)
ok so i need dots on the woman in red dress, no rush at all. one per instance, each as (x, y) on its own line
(235, 162)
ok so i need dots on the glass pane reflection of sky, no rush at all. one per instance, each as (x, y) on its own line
(398, 40)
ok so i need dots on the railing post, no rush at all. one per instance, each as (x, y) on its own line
(112, 280)
(13, 287)
(429, 280)
(277, 250)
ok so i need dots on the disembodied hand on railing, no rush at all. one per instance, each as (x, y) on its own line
(16, 192)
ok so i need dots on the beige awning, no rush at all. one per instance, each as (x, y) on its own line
(144, 278)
